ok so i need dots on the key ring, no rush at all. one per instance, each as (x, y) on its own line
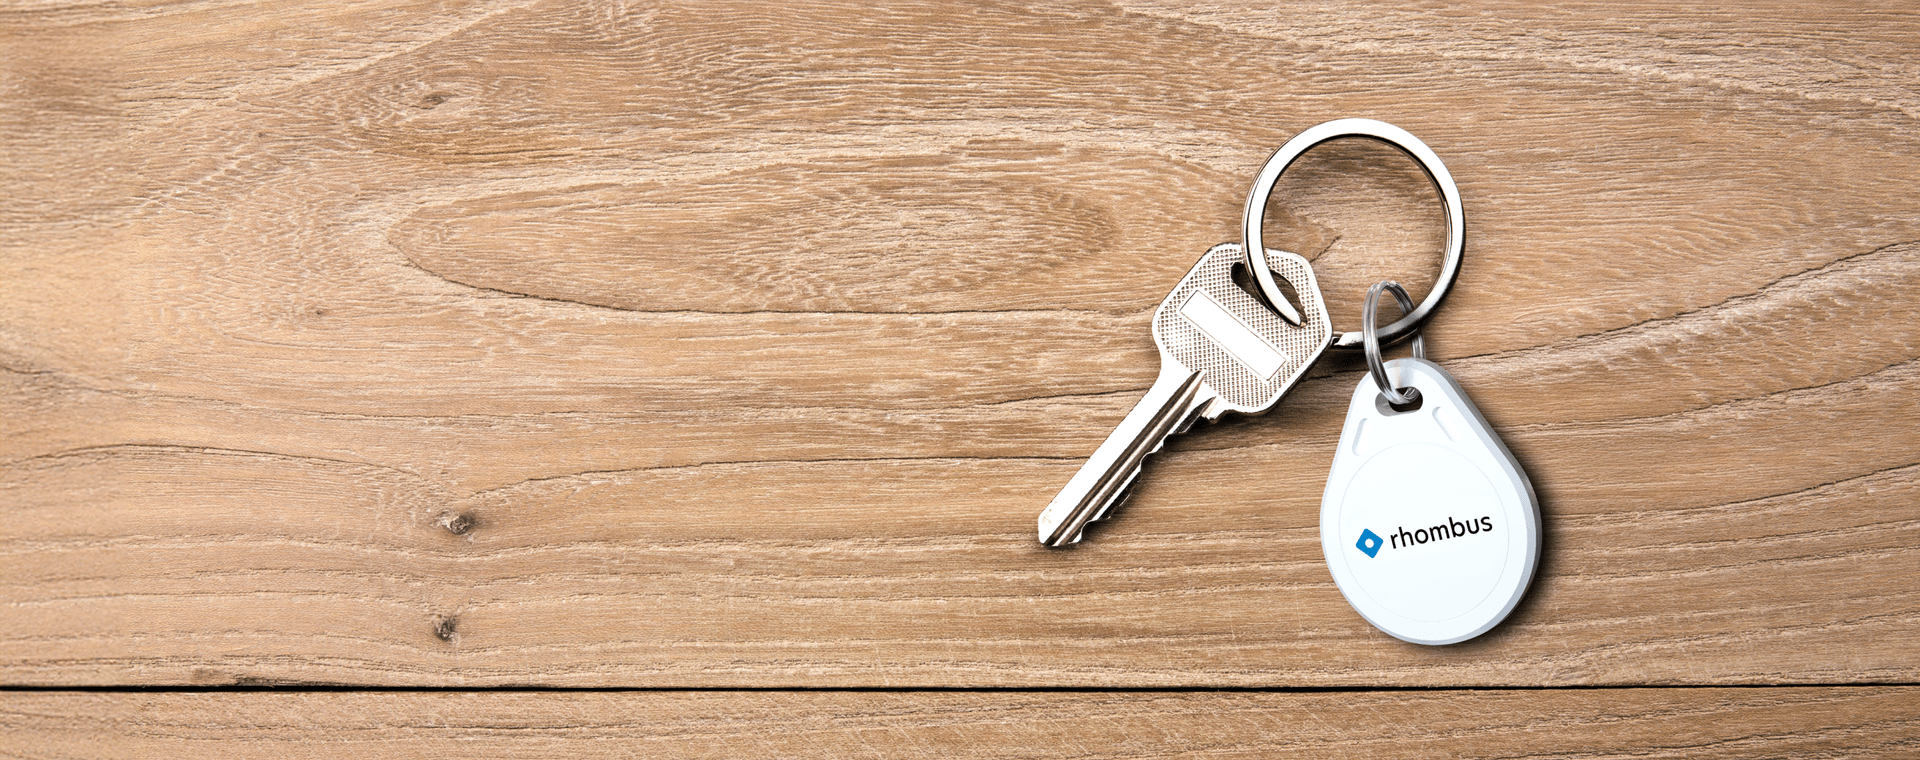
(1400, 139)
(1395, 397)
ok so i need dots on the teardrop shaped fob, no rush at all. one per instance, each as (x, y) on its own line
(1429, 525)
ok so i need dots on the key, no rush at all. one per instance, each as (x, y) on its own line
(1221, 350)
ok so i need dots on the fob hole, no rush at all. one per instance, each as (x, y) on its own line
(1388, 409)
(1243, 277)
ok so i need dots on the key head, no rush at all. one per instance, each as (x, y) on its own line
(1250, 357)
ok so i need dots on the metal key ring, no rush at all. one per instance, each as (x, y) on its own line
(1371, 341)
(1406, 143)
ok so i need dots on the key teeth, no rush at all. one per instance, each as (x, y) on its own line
(1126, 492)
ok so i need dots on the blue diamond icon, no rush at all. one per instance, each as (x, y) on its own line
(1369, 542)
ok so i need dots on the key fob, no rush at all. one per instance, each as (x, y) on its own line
(1429, 525)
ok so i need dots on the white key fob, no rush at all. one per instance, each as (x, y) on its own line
(1430, 527)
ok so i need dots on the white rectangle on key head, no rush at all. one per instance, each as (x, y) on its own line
(1238, 339)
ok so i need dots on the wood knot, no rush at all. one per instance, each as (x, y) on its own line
(444, 628)
(459, 524)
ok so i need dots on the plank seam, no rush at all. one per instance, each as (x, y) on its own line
(324, 689)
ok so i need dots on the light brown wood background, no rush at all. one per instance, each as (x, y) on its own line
(685, 349)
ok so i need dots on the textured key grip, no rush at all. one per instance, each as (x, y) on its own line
(1240, 387)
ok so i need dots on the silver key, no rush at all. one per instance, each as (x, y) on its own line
(1220, 351)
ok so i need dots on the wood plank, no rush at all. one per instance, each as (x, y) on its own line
(733, 345)
(1610, 723)
(717, 575)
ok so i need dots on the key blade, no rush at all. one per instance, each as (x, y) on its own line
(1221, 351)
(1172, 401)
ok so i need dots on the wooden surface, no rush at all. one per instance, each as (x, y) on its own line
(469, 345)
(1662, 723)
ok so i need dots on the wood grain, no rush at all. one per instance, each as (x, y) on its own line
(635, 345)
(1637, 723)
